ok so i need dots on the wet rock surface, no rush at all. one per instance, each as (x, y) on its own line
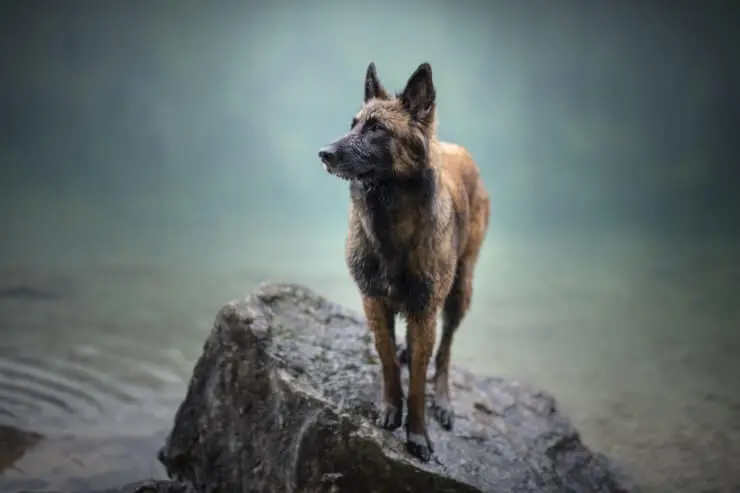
(283, 399)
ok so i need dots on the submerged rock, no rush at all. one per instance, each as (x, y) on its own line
(28, 293)
(137, 487)
(283, 399)
(84, 464)
(14, 444)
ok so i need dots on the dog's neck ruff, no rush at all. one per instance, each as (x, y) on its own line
(385, 191)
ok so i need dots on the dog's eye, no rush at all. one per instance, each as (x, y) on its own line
(372, 125)
(353, 124)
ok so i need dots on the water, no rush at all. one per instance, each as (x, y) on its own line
(637, 339)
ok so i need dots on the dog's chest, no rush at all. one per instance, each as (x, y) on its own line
(389, 265)
(392, 223)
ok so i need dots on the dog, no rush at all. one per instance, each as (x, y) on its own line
(418, 217)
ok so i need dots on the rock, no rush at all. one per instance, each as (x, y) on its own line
(28, 293)
(137, 487)
(70, 462)
(283, 399)
(15, 443)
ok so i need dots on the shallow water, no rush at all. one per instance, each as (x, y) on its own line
(637, 339)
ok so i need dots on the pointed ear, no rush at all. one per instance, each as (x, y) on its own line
(419, 96)
(373, 87)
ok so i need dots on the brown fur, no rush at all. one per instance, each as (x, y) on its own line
(415, 232)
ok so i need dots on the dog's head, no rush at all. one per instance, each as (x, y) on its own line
(389, 136)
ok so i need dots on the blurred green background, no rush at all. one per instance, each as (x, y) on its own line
(159, 159)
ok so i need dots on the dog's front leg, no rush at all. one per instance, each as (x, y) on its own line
(381, 320)
(421, 336)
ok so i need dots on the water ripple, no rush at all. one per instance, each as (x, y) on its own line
(32, 378)
(86, 387)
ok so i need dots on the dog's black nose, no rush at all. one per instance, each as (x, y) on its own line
(327, 155)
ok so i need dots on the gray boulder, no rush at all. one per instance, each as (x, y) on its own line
(283, 399)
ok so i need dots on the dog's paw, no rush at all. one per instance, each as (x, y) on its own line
(443, 412)
(419, 446)
(391, 416)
